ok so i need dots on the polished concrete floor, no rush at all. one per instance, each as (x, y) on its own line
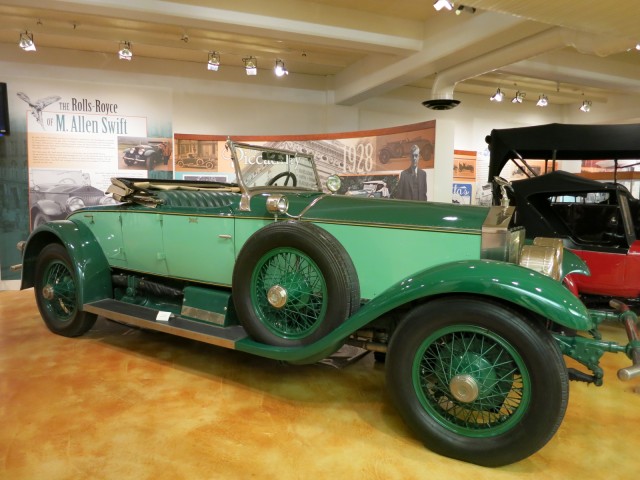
(121, 403)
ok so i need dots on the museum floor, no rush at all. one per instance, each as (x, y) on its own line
(121, 403)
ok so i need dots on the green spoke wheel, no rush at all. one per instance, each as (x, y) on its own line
(476, 380)
(471, 381)
(56, 293)
(293, 283)
(289, 293)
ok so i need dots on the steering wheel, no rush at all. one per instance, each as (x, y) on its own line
(287, 176)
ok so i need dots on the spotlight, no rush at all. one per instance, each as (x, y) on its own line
(280, 69)
(440, 4)
(26, 42)
(497, 97)
(638, 46)
(251, 65)
(543, 101)
(214, 61)
(586, 106)
(125, 52)
(464, 8)
(519, 97)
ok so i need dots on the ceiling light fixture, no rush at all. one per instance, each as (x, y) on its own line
(497, 97)
(464, 8)
(586, 106)
(251, 65)
(214, 61)
(543, 101)
(26, 42)
(125, 52)
(440, 4)
(519, 97)
(279, 69)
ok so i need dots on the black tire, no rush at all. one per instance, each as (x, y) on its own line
(477, 381)
(180, 163)
(384, 156)
(56, 293)
(293, 283)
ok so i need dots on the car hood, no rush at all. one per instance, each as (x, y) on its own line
(395, 213)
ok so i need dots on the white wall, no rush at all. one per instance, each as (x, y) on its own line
(231, 105)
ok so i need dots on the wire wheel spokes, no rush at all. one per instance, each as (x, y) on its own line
(59, 291)
(472, 380)
(301, 301)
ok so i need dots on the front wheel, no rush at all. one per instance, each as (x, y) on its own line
(56, 293)
(477, 381)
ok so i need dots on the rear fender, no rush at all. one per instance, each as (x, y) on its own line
(91, 266)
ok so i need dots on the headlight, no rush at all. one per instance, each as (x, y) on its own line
(277, 204)
(333, 183)
(544, 256)
(108, 201)
(74, 203)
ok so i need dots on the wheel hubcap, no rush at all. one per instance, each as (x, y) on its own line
(277, 296)
(48, 292)
(464, 388)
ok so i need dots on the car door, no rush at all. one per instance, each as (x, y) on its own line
(200, 247)
(143, 242)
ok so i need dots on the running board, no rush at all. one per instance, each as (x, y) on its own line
(145, 317)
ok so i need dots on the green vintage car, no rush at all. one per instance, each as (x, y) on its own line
(473, 322)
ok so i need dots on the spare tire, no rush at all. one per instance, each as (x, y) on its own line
(293, 283)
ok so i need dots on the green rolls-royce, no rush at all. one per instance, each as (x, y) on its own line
(472, 321)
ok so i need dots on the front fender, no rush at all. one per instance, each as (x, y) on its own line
(91, 266)
(517, 285)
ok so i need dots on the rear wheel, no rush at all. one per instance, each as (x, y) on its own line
(293, 284)
(477, 381)
(56, 293)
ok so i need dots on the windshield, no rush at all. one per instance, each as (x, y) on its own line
(259, 167)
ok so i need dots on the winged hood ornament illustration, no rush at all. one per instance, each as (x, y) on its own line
(38, 105)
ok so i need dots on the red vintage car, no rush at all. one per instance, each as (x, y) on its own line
(599, 221)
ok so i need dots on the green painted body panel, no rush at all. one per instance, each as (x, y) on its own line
(200, 247)
(397, 213)
(383, 256)
(511, 283)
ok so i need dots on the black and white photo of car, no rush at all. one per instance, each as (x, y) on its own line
(54, 194)
(147, 155)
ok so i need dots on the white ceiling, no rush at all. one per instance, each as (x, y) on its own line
(355, 49)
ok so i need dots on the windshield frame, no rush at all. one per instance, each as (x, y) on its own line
(249, 191)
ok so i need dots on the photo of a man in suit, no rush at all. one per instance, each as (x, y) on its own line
(413, 180)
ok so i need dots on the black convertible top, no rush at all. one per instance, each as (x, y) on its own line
(557, 141)
(558, 183)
